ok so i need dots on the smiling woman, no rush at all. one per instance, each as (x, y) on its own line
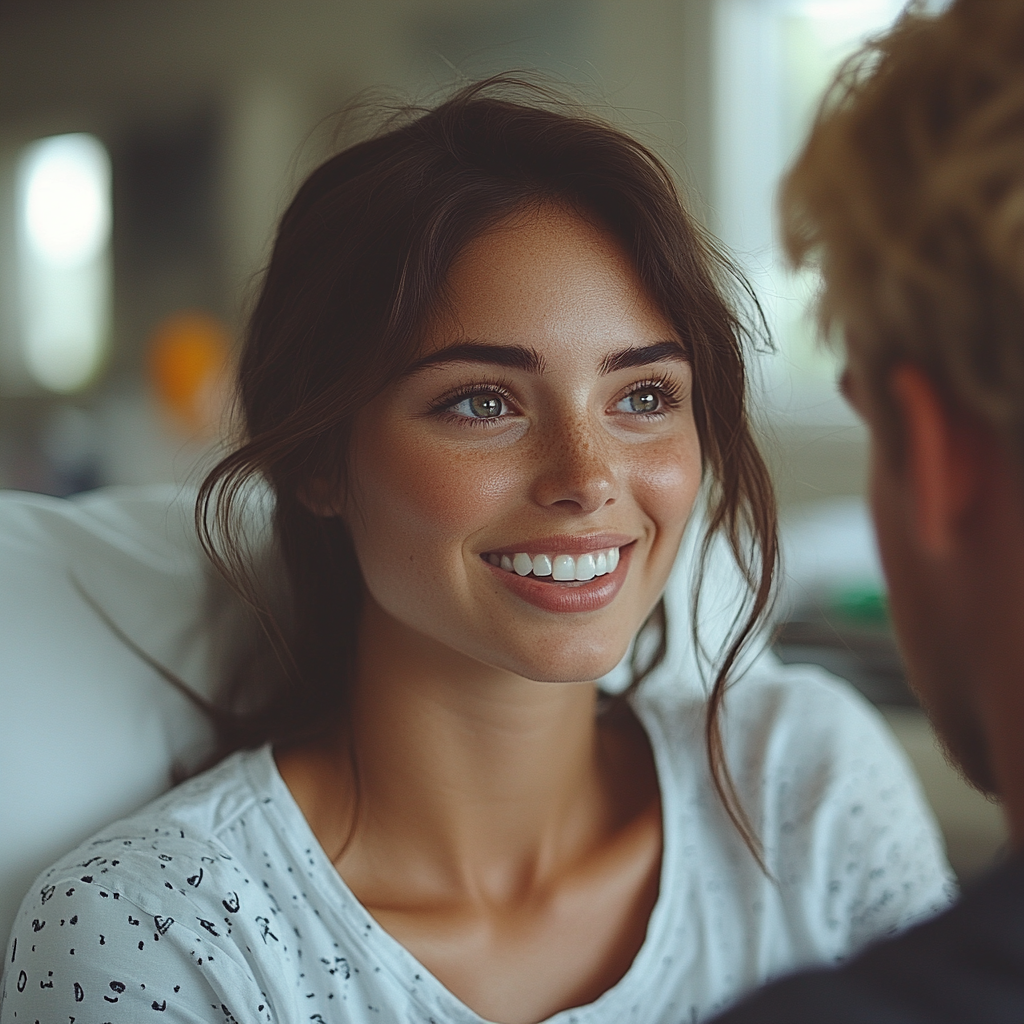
(489, 372)
(524, 444)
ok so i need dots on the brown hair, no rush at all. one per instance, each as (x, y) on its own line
(910, 194)
(357, 272)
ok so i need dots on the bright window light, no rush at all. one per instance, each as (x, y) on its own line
(63, 197)
(67, 199)
(773, 61)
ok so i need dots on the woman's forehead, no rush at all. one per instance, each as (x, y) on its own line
(545, 276)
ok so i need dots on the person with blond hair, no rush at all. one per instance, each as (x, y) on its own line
(909, 194)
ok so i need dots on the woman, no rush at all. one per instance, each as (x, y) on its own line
(488, 372)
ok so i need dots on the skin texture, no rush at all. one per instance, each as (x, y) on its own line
(948, 506)
(505, 834)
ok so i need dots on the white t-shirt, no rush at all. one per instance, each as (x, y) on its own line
(215, 903)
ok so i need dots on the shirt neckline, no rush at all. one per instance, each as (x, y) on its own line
(421, 986)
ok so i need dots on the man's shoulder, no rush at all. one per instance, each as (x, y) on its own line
(964, 964)
(967, 962)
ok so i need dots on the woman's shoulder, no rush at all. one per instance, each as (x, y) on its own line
(798, 743)
(837, 808)
(172, 846)
(799, 711)
(162, 908)
(801, 743)
(814, 764)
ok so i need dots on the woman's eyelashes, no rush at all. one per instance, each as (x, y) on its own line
(487, 404)
(650, 398)
(476, 404)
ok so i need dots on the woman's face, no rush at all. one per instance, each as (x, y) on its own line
(520, 495)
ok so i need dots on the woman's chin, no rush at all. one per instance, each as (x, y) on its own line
(572, 668)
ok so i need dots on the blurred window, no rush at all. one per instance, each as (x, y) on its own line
(773, 61)
(63, 259)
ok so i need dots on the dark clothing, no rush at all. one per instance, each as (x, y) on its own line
(966, 965)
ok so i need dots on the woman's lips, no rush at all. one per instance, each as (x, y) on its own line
(554, 595)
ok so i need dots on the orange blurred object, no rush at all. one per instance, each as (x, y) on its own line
(189, 354)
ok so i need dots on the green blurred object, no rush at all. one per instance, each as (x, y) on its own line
(866, 605)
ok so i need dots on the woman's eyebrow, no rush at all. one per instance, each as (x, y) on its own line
(659, 352)
(516, 357)
(521, 357)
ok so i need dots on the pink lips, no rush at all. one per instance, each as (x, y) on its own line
(565, 544)
(569, 596)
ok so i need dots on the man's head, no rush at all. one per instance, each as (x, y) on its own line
(909, 195)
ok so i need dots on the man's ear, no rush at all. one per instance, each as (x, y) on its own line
(938, 460)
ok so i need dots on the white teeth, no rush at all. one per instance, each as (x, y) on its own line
(560, 567)
(564, 568)
(585, 567)
(523, 564)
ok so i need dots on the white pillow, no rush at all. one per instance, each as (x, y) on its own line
(88, 731)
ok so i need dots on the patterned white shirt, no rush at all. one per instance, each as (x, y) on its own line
(215, 903)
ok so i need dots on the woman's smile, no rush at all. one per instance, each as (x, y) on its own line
(519, 495)
(583, 582)
(562, 558)
(559, 568)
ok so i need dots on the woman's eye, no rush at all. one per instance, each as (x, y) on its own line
(484, 406)
(640, 401)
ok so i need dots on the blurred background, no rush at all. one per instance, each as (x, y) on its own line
(148, 146)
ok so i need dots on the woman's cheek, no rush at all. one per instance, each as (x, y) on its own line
(666, 479)
(429, 495)
(421, 507)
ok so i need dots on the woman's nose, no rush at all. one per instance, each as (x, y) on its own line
(576, 470)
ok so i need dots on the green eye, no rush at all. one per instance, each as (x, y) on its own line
(643, 400)
(485, 406)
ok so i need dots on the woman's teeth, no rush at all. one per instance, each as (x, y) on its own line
(559, 567)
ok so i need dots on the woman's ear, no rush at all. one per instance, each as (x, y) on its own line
(939, 460)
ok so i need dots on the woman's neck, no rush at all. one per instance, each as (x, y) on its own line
(474, 781)
(488, 823)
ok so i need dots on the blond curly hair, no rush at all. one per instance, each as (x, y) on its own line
(909, 197)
